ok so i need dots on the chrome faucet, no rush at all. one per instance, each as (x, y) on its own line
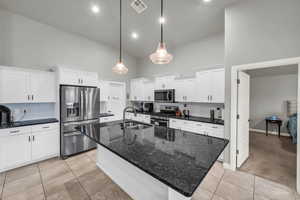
(124, 113)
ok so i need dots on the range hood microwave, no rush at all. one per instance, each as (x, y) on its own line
(164, 96)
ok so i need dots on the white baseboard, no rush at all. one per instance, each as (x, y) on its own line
(269, 132)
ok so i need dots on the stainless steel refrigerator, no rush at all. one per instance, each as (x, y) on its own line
(78, 105)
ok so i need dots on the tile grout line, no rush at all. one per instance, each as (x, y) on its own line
(38, 166)
(3, 185)
(78, 180)
(254, 187)
(214, 193)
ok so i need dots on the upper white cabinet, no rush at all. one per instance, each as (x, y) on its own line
(148, 90)
(165, 82)
(21, 86)
(77, 77)
(141, 90)
(185, 90)
(210, 86)
(116, 99)
(104, 91)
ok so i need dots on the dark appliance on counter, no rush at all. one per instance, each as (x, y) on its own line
(147, 107)
(169, 110)
(78, 106)
(164, 96)
(5, 115)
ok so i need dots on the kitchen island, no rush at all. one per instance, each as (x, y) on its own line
(151, 162)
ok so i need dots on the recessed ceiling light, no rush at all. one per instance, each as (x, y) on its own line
(207, 1)
(134, 35)
(162, 20)
(95, 9)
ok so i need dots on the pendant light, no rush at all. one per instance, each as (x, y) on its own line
(120, 68)
(161, 56)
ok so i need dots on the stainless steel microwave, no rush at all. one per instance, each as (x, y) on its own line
(164, 96)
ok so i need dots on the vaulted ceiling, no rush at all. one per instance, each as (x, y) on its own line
(187, 20)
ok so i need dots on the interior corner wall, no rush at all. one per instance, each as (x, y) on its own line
(266, 101)
(201, 55)
(28, 43)
(256, 31)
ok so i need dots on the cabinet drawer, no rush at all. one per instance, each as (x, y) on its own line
(45, 127)
(15, 131)
(175, 123)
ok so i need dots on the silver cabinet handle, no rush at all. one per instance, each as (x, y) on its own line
(79, 81)
(33, 138)
(28, 97)
(208, 97)
(17, 131)
(199, 124)
(28, 138)
(46, 127)
(32, 97)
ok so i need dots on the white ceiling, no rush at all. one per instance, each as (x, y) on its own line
(273, 71)
(187, 20)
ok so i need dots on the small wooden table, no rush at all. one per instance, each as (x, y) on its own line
(273, 121)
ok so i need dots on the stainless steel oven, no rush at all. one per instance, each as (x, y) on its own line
(160, 121)
(164, 96)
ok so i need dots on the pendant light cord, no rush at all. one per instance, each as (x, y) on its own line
(120, 31)
(162, 22)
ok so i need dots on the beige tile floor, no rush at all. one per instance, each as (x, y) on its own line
(78, 178)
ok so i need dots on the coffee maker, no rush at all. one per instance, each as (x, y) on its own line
(5, 115)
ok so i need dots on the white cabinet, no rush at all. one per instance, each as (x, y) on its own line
(210, 86)
(21, 86)
(116, 99)
(77, 77)
(185, 90)
(148, 90)
(138, 117)
(107, 119)
(137, 89)
(104, 91)
(165, 82)
(24, 145)
(42, 87)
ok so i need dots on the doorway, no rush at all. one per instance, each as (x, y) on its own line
(240, 139)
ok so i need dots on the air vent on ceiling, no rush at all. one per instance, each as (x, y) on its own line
(139, 6)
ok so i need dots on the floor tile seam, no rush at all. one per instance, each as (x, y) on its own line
(214, 193)
(42, 182)
(3, 185)
(76, 177)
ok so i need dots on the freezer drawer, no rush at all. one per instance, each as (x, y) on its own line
(74, 143)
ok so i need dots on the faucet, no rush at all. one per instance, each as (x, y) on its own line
(124, 112)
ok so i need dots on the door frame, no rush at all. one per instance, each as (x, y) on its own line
(234, 103)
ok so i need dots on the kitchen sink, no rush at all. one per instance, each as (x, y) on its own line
(136, 125)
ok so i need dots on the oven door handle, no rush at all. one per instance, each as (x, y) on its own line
(73, 134)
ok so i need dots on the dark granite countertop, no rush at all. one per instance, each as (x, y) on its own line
(190, 118)
(177, 158)
(29, 123)
(105, 115)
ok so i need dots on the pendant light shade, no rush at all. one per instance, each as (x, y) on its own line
(120, 68)
(161, 56)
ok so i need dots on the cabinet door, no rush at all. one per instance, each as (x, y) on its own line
(45, 144)
(218, 86)
(166, 82)
(104, 91)
(203, 86)
(89, 79)
(14, 86)
(148, 91)
(42, 87)
(14, 150)
(136, 90)
(69, 77)
(117, 100)
(180, 90)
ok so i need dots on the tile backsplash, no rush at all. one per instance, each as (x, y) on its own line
(33, 111)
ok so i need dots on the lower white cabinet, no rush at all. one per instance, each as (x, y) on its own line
(107, 119)
(213, 130)
(139, 117)
(24, 145)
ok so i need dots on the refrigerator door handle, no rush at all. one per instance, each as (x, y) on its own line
(82, 103)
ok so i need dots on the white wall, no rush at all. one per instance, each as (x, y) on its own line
(28, 43)
(197, 56)
(268, 96)
(259, 30)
